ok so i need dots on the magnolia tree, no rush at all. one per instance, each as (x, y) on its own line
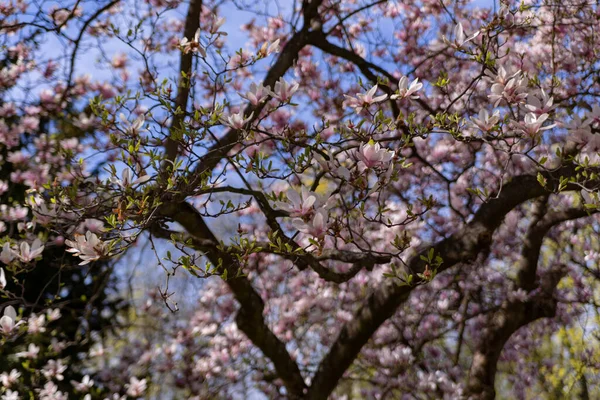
(382, 199)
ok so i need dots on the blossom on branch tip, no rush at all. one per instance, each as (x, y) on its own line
(31, 352)
(303, 203)
(540, 105)
(2, 279)
(136, 387)
(511, 88)
(485, 121)
(283, 91)
(237, 120)
(8, 322)
(88, 248)
(11, 395)
(459, 37)
(372, 155)
(9, 379)
(192, 46)
(316, 226)
(214, 25)
(125, 180)
(532, 124)
(268, 49)
(364, 100)
(83, 386)
(405, 90)
(257, 93)
(135, 127)
(7, 255)
(28, 253)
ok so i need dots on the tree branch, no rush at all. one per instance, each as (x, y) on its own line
(286, 59)
(192, 23)
(514, 314)
(463, 246)
(249, 318)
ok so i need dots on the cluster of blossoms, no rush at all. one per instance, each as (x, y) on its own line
(365, 100)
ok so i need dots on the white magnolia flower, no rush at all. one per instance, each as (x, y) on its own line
(83, 386)
(125, 180)
(88, 248)
(135, 127)
(2, 279)
(237, 120)
(257, 93)
(283, 91)
(11, 395)
(364, 100)
(53, 314)
(486, 122)
(372, 155)
(28, 253)
(192, 46)
(36, 323)
(136, 387)
(540, 105)
(459, 37)
(9, 379)
(54, 370)
(407, 91)
(8, 322)
(31, 352)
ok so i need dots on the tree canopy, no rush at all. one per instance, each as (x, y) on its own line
(377, 199)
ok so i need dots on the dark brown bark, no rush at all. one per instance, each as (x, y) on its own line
(192, 23)
(250, 315)
(514, 315)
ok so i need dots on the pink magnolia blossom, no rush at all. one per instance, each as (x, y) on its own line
(460, 39)
(11, 395)
(283, 91)
(269, 48)
(133, 128)
(88, 248)
(236, 120)
(27, 253)
(126, 179)
(316, 226)
(532, 124)
(257, 93)
(364, 100)
(485, 121)
(54, 370)
(7, 254)
(541, 104)
(85, 385)
(372, 155)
